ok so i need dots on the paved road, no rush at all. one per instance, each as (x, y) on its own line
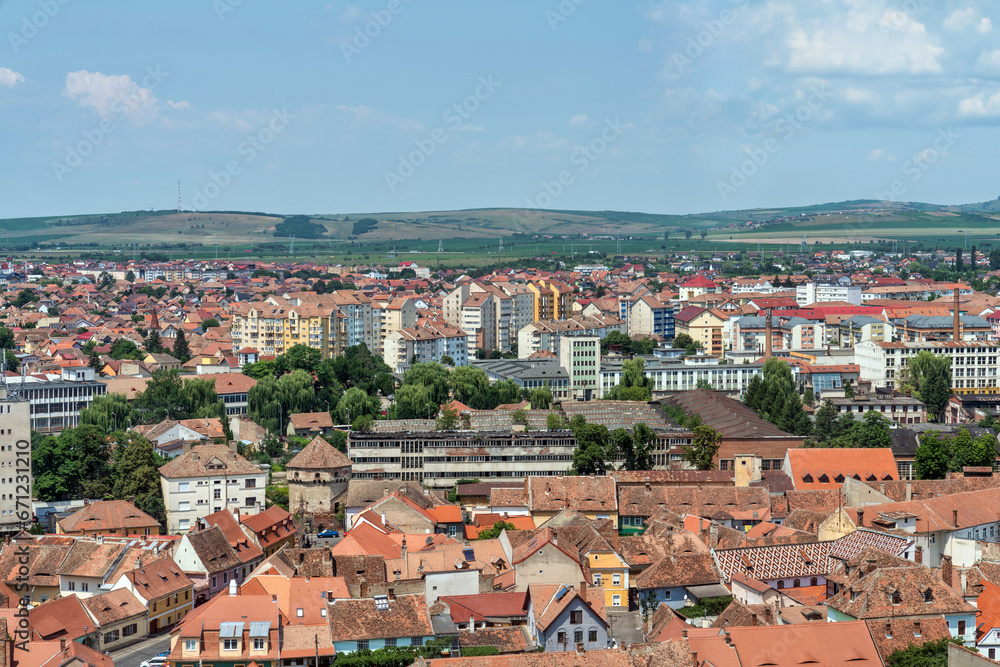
(324, 542)
(626, 627)
(132, 655)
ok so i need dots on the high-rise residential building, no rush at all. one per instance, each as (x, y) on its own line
(15, 462)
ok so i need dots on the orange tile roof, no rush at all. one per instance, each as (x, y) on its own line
(809, 465)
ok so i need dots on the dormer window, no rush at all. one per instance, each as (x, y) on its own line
(928, 595)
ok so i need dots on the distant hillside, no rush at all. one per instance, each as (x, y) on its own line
(834, 221)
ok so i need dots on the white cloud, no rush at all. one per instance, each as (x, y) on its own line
(989, 62)
(112, 96)
(980, 105)
(963, 20)
(580, 120)
(867, 42)
(881, 154)
(10, 78)
(179, 105)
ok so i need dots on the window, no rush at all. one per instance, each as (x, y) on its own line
(362, 644)
(781, 584)
(225, 577)
(184, 506)
(451, 531)
(251, 484)
(230, 645)
(592, 636)
(796, 584)
(814, 581)
(190, 644)
(183, 487)
(928, 595)
(616, 600)
(72, 585)
(561, 637)
(183, 524)
(992, 654)
(597, 579)
(298, 612)
(258, 644)
(578, 636)
(217, 494)
(130, 630)
(616, 579)
(576, 617)
(110, 636)
(390, 642)
(961, 627)
(213, 581)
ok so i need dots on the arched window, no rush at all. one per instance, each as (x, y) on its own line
(814, 582)
(781, 584)
(797, 583)
(578, 636)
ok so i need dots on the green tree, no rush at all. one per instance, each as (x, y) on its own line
(110, 412)
(554, 422)
(468, 384)
(413, 401)
(826, 420)
(94, 361)
(447, 360)
(74, 464)
(153, 342)
(130, 277)
(703, 448)
(123, 348)
(448, 419)
(928, 654)
(682, 341)
(494, 531)
(872, 431)
(541, 398)
(210, 323)
(591, 454)
(299, 357)
(927, 377)
(162, 399)
(933, 457)
(181, 350)
(6, 339)
(616, 338)
(433, 376)
(260, 369)
(135, 472)
(356, 403)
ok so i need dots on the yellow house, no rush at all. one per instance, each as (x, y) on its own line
(703, 326)
(163, 588)
(610, 572)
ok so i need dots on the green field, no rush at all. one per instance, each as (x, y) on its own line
(472, 237)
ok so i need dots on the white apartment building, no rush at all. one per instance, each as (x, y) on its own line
(546, 334)
(580, 356)
(522, 312)
(822, 292)
(15, 464)
(683, 374)
(208, 479)
(430, 342)
(973, 363)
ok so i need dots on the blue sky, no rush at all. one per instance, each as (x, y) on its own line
(399, 105)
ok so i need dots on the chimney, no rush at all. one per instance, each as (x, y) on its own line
(861, 517)
(954, 517)
(946, 570)
(869, 565)
(909, 491)
(138, 563)
(403, 548)
(86, 502)
(767, 333)
(684, 633)
(957, 332)
(726, 638)
(753, 620)
(583, 590)
(472, 622)
(131, 501)
(62, 643)
(713, 532)
(918, 555)
(916, 626)
(888, 627)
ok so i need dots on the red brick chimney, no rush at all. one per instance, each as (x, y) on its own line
(946, 571)
(918, 555)
(957, 332)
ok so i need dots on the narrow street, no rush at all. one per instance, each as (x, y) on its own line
(132, 656)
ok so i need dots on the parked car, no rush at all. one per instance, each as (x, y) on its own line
(158, 661)
(329, 533)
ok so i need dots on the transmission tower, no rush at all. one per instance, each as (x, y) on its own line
(802, 244)
(178, 196)
(291, 245)
(440, 245)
